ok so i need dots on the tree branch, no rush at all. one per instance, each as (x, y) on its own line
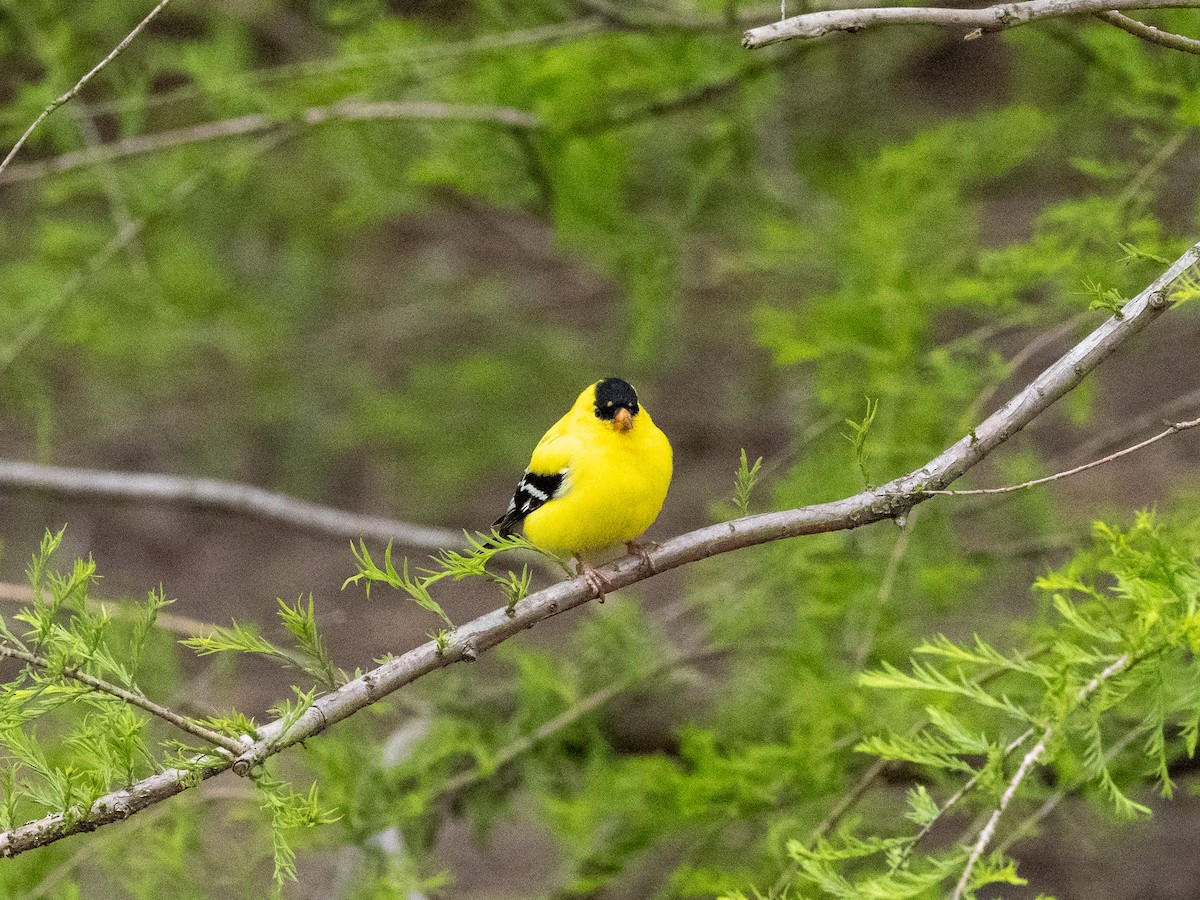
(465, 643)
(953, 800)
(1150, 33)
(410, 110)
(209, 493)
(869, 777)
(991, 18)
(101, 686)
(79, 85)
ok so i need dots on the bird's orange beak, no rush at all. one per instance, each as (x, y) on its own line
(623, 420)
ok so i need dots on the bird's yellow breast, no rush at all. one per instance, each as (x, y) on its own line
(614, 487)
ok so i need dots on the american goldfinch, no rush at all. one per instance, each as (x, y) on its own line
(597, 478)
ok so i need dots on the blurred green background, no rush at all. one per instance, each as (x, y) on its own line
(384, 314)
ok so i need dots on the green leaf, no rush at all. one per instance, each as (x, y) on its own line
(744, 482)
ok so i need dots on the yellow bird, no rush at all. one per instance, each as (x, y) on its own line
(598, 478)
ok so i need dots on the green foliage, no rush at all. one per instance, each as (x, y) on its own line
(858, 438)
(309, 656)
(99, 741)
(1121, 650)
(454, 565)
(402, 327)
(744, 482)
(65, 742)
(289, 810)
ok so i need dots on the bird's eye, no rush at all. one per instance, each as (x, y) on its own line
(609, 403)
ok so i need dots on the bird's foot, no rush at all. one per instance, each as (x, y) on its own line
(642, 552)
(595, 580)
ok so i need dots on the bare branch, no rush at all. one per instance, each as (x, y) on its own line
(256, 123)
(1174, 429)
(845, 803)
(118, 203)
(100, 685)
(79, 85)
(209, 493)
(465, 643)
(989, 829)
(19, 592)
(1150, 33)
(991, 18)
(510, 118)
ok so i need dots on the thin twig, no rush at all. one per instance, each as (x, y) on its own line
(119, 207)
(1150, 33)
(402, 56)
(79, 85)
(886, 586)
(1174, 429)
(122, 239)
(100, 685)
(1027, 763)
(209, 493)
(468, 641)
(519, 122)
(988, 19)
(826, 825)
(1154, 164)
(19, 592)
(256, 123)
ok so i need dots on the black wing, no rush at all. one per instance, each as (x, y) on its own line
(533, 491)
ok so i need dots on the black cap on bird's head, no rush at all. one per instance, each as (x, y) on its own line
(616, 402)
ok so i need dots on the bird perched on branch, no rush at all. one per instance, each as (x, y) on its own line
(598, 478)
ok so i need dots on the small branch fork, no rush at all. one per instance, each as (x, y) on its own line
(465, 643)
(79, 85)
(979, 21)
